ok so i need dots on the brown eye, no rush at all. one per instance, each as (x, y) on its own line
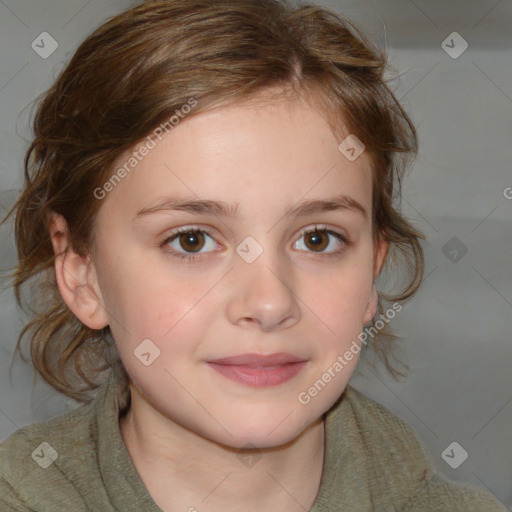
(317, 240)
(191, 241)
(189, 244)
(322, 241)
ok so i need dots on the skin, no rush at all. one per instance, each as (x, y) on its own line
(188, 424)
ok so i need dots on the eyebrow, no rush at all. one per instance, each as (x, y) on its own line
(220, 208)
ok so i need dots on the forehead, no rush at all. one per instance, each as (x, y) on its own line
(271, 152)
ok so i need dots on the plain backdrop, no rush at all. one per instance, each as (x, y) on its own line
(457, 335)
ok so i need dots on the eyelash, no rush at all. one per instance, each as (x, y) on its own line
(189, 258)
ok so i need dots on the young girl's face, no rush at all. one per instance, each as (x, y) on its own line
(250, 280)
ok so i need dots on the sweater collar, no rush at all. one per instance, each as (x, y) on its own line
(355, 469)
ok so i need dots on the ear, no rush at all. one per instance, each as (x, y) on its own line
(76, 278)
(378, 262)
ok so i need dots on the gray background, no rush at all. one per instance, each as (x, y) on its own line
(457, 330)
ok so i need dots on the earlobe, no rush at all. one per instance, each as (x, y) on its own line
(373, 301)
(380, 257)
(372, 306)
(76, 278)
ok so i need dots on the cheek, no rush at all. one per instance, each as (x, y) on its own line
(158, 311)
(340, 309)
(147, 304)
(342, 296)
(340, 312)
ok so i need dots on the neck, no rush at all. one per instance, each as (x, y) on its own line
(186, 471)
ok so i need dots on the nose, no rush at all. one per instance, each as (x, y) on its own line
(261, 293)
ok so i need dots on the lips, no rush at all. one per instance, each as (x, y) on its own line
(259, 371)
(259, 361)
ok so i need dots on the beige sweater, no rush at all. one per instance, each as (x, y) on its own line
(373, 462)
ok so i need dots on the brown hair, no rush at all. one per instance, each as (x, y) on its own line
(129, 76)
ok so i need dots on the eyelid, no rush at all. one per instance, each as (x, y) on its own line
(208, 231)
(191, 256)
(341, 237)
(324, 227)
(171, 235)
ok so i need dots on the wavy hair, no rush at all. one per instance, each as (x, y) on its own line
(128, 77)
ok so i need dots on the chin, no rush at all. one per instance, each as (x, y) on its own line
(271, 433)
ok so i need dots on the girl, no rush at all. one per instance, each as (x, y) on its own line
(207, 209)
